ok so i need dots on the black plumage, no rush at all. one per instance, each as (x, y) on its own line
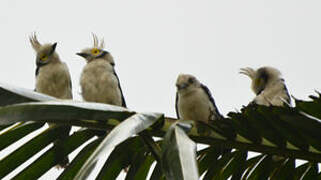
(121, 92)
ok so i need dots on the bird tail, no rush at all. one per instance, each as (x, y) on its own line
(59, 146)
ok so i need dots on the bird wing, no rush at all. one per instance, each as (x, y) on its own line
(68, 79)
(276, 95)
(176, 106)
(121, 92)
(39, 65)
(36, 73)
(37, 70)
(216, 113)
(218, 118)
(70, 84)
(288, 98)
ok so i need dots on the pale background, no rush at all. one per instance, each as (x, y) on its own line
(153, 41)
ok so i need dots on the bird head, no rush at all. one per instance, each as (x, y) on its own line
(46, 53)
(96, 52)
(186, 83)
(261, 77)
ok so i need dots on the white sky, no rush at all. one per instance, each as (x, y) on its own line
(153, 41)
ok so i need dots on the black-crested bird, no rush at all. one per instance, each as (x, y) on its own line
(99, 81)
(52, 78)
(268, 85)
(194, 101)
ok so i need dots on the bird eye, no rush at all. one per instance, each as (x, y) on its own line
(190, 80)
(95, 51)
(259, 81)
(43, 57)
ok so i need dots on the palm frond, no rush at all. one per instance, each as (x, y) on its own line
(280, 136)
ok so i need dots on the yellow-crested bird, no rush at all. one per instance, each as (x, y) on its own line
(53, 78)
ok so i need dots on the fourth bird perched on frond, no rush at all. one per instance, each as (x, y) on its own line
(53, 78)
(99, 81)
(268, 86)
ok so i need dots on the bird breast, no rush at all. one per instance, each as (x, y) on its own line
(54, 79)
(100, 84)
(195, 106)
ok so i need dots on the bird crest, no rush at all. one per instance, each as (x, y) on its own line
(96, 51)
(250, 72)
(34, 41)
(45, 52)
(96, 42)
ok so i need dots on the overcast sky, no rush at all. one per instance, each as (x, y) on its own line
(153, 41)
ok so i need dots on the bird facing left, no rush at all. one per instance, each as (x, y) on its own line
(53, 78)
(99, 81)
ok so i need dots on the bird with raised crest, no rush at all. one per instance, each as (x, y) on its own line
(268, 85)
(53, 78)
(99, 81)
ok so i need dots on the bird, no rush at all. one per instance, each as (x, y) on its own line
(194, 101)
(268, 85)
(99, 81)
(53, 78)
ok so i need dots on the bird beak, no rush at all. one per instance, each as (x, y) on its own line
(181, 86)
(84, 55)
(53, 48)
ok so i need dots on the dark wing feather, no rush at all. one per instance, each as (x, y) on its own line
(219, 119)
(70, 84)
(176, 106)
(121, 92)
(39, 65)
(288, 99)
(217, 114)
(37, 70)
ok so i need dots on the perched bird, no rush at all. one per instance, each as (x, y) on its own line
(52, 78)
(194, 101)
(268, 86)
(99, 81)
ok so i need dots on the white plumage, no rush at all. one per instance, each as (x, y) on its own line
(52, 75)
(53, 78)
(194, 100)
(99, 81)
(268, 86)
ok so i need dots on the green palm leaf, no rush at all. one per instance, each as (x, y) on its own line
(280, 135)
(179, 153)
(131, 126)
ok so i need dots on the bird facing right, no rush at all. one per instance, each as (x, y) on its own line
(99, 81)
(268, 85)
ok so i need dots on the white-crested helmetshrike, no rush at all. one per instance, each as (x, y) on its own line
(99, 81)
(53, 78)
(268, 85)
(194, 101)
